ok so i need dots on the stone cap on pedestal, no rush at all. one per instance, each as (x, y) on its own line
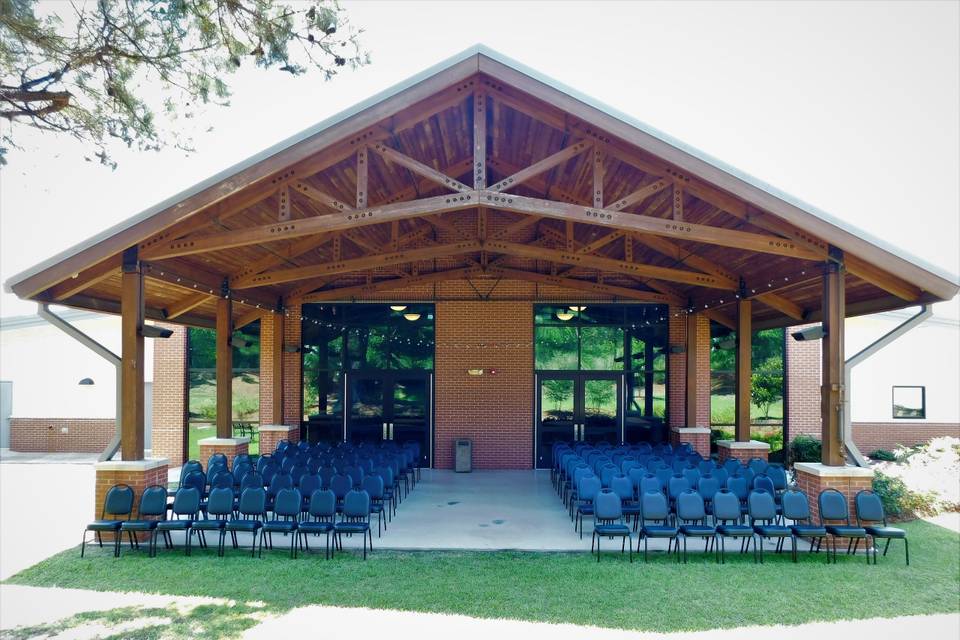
(223, 442)
(277, 427)
(132, 465)
(690, 429)
(825, 471)
(750, 444)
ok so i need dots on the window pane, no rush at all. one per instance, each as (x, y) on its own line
(367, 348)
(600, 402)
(367, 394)
(556, 401)
(601, 314)
(908, 402)
(554, 314)
(410, 399)
(601, 348)
(556, 348)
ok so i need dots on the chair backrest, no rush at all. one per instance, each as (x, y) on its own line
(217, 459)
(733, 466)
(678, 484)
(186, 502)
(776, 473)
(280, 482)
(706, 466)
(340, 485)
(869, 508)
(726, 506)
(323, 503)
(287, 503)
(309, 483)
(607, 472)
(692, 475)
(621, 485)
(356, 474)
(664, 473)
(288, 463)
(627, 464)
(223, 478)
(607, 505)
(189, 467)
(220, 502)
(268, 472)
(833, 506)
(795, 505)
(721, 475)
(764, 483)
(637, 474)
(240, 469)
(690, 506)
(747, 472)
(252, 479)
(589, 487)
(761, 507)
(758, 465)
(153, 501)
(738, 486)
(356, 504)
(253, 502)
(386, 473)
(298, 472)
(649, 483)
(263, 461)
(653, 506)
(707, 488)
(242, 458)
(373, 485)
(196, 480)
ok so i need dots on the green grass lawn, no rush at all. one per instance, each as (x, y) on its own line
(722, 410)
(197, 432)
(550, 587)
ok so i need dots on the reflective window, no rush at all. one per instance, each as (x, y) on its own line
(910, 402)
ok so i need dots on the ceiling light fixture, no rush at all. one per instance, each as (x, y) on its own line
(564, 315)
(576, 308)
(412, 317)
(398, 307)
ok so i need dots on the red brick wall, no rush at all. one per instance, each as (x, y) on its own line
(495, 411)
(802, 367)
(677, 369)
(812, 485)
(870, 436)
(84, 435)
(231, 451)
(743, 455)
(270, 439)
(268, 324)
(702, 419)
(170, 358)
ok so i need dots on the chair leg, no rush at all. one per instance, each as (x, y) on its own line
(793, 548)
(906, 550)
(293, 545)
(723, 550)
(83, 543)
(886, 547)
(189, 534)
(220, 544)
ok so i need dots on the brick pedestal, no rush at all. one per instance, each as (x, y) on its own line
(742, 451)
(230, 447)
(139, 474)
(698, 437)
(271, 434)
(813, 477)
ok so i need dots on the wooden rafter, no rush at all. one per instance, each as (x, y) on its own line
(640, 194)
(85, 279)
(419, 168)
(359, 291)
(584, 285)
(320, 197)
(247, 318)
(357, 264)
(185, 304)
(537, 168)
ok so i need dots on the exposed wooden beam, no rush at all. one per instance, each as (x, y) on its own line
(303, 288)
(537, 168)
(185, 304)
(292, 250)
(419, 168)
(603, 241)
(648, 224)
(309, 226)
(597, 178)
(677, 202)
(320, 197)
(363, 164)
(479, 140)
(606, 264)
(249, 317)
(357, 264)
(362, 290)
(224, 360)
(584, 285)
(283, 213)
(640, 194)
(512, 228)
(85, 279)
(832, 365)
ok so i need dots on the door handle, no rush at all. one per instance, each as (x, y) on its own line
(391, 431)
(384, 430)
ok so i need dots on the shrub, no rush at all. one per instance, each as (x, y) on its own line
(884, 455)
(805, 449)
(899, 501)
(774, 438)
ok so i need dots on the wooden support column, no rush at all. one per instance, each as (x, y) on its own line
(744, 344)
(224, 366)
(831, 386)
(692, 371)
(131, 377)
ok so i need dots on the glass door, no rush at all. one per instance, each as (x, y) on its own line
(556, 415)
(367, 420)
(600, 408)
(409, 416)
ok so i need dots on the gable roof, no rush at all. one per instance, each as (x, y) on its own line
(258, 169)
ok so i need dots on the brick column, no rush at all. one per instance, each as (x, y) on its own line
(139, 474)
(230, 447)
(742, 451)
(677, 367)
(170, 357)
(802, 370)
(271, 434)
(814, 477)
(271, 408)
(698, 437)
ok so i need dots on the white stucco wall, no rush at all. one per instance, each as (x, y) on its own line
(45, 364)
(927, 356)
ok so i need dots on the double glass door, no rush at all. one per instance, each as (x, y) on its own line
(577, 407)
(390, 406)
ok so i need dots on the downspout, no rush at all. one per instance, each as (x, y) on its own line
(44, 312)
(924, 313)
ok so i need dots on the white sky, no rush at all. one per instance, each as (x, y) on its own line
(852, 107)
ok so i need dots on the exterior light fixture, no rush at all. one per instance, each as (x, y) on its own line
(86, 382)
(726, 344)
(412, 317)
(816, 332)
(564, 315)
(153, 331)
(397, 307)
(474, 372)
(576, 308)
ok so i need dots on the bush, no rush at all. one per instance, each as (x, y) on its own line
(805, 449)
(774, 439)
(883, 455)
(899, 501)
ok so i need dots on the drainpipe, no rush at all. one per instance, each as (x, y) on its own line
(924, 313)
(44, 312)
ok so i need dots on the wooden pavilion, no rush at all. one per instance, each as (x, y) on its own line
(480, 171)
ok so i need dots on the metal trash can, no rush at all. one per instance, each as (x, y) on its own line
(463, 455)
